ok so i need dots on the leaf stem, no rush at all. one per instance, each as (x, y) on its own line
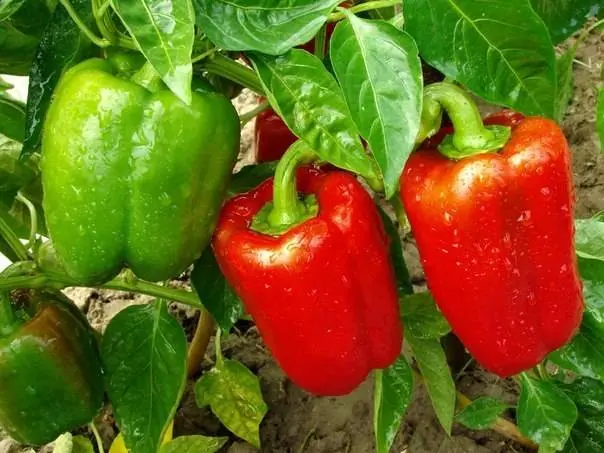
(250, 115)
(97, 437)
(205, 54)
(199, 344)
(33, 215)
(97, 41)
(13, 240)
(378, 4)
(218, 347)
(230, 69)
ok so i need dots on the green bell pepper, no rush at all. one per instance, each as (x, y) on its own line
(50, 368)
(132, 175)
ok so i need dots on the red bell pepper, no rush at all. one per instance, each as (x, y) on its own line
(495, 234)
(322, 292)
(273, 137)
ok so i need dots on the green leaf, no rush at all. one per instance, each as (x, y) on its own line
(481, 413)
(380, 73)
(393, 391)
(589, 238)
(164, 30)
(9, 7)
(403, 279)
(585, 353)
(501, 51)
(600, 118)
(309, 100)
(217, 295)
(545, 413)
(433, 365)
(62, 46)
(12, 118)
(14, 173)
(194, 444)
(587, 435)
(251, 176)
(144, 350)
(421, 317)
(564, 68)
(564, 17)
(67, 443)
(271, 27)
(233, 393)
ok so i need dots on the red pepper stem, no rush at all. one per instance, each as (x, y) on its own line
(287, 207)
(471, 136)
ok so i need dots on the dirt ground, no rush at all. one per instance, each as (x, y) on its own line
(299, 423)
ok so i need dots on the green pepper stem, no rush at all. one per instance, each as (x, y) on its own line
(97, 437)
(229, 69)
(246, 117)
(13, 240)
(287, 208)
(470, 135)
(33, 215)
(97, 41)
(368, 6)
(147, 77)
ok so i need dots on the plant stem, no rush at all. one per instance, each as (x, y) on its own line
(205, 54)
(97, 437)
(199, 344)
(320, 41)
(13, 240)
(97, 41)
(248, 116)
(218, 347)
(33, 215)
(378, 4)
(230, 69)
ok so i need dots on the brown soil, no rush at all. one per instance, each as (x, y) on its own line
(297, 422)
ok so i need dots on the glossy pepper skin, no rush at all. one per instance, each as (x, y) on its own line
(323, 294)
(273, 137)
(495, 235)
(50, 370)
(133, 176)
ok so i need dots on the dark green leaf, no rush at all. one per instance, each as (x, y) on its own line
(380, 73)
(311, 103)
(214, 291)
(251, 176)
(61, 47)
(194, 444)
(545, 413)
(587, 435)
(564, 68)
(403, 280)
(233, 393)
(432, 363)
(164, 30)
(589, 238)
(145, 352)
(564, 17)
(392, 394)
(481, 413)
(585, 353)
(269, 27)
(600, 118)
(501, 51)
(14, 173)
(421, 317)
(12, 118)
(9, 7)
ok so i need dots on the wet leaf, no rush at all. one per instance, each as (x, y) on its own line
(481, 413)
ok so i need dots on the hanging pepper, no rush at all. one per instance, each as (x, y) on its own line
(132, 175)
(50, 368)
(492, 213)
(315, 274)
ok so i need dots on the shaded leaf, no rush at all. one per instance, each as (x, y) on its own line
(403, 279)
(501, 51)
(421, 317)
(269, 27)
(144, 351)
(379, 70)
(545, 413)
(233, 392)
(251, 176)
(564, 68)
(481, 413)
(194, 444)
(393, 391)
(587, 435)
(564, 17)
(164, 30)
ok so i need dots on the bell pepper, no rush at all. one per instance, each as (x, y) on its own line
(50, 368)
(132, 175)
(491, 210)
(272, 135)
(315, 275)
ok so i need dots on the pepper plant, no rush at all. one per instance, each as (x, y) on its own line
(118, 173)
